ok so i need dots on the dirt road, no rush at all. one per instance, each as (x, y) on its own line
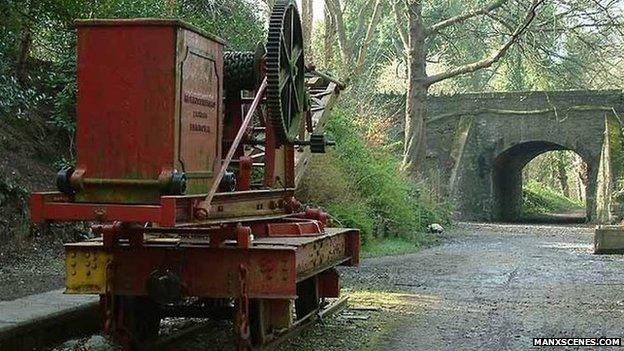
(495, 287)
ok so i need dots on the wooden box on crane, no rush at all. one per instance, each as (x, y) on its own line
(149, 113)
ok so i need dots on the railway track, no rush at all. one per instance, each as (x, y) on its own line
(307, 321)
(173, 339)
(56, 327)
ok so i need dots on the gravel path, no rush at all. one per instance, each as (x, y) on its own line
(495, 287)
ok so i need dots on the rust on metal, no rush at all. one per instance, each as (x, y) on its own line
(329, 283)
(192, 189)
(272, 269)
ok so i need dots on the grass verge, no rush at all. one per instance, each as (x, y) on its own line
(390, 247)
(540, 200)
(367, 323)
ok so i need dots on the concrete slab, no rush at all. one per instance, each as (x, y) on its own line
(39, 320)
(609, 239)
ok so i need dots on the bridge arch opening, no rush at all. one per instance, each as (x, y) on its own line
(510, 173)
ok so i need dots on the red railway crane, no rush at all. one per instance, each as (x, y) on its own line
(186, 159)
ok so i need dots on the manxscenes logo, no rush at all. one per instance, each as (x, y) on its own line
(577, 342)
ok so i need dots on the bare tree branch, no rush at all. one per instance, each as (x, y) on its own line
(329, 37)
(609, 16)
(336, 11)
(352, 50)
(502, 21)
(372, 25)
(465, 16)
(307, 14)
(397, 17)
(475, 66)
(360, 25)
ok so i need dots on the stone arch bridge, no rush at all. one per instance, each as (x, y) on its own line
(477, 145)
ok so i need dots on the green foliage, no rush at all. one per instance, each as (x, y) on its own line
(353, 214)
(63, 163)
(539, 199)
(63, 82)
(561, 171)
(362, 184)
(389, 247)
(326, 184)
(46, 81)
(378, 178)
(11, 192)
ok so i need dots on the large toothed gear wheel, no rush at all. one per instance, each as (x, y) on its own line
(285, 71)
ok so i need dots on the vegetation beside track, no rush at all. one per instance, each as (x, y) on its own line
(391, 247)
(361, 184)
(367, 323)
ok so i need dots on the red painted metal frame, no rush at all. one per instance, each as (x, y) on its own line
(208, 272)
(329, 283)
(42, 210)
(296, 227)
(172, 210)
(239, 136)
(243, 176)
(275, 264)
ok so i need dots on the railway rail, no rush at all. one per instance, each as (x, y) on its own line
(65, 319)
(172, 340)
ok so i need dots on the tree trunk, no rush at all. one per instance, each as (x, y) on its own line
(307, 16)
(372, 25)
(584, 178)
(416, 99)
(328, 39)
(24, 46)
(563, 175)
(335, 10)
